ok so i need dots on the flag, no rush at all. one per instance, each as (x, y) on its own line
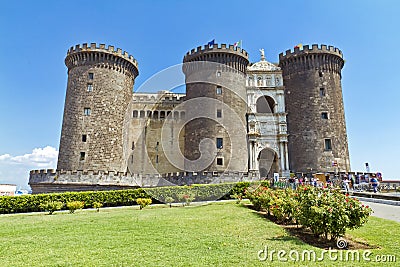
(237, 44)
(211, 43)
(299, 46)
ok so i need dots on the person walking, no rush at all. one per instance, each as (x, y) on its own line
(374, 182)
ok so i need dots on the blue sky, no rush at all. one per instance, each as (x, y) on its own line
(36, 35)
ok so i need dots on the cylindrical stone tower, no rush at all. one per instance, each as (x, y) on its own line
(100, 87)
(216, 106)
(315, 112)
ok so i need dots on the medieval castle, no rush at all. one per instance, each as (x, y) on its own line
(237, 121)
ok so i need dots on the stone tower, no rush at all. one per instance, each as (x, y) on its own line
(216, 107)
(315, 112)
(99, 90)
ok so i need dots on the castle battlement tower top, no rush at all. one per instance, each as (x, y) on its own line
(322, 58)
(80, 55)
(236, 58)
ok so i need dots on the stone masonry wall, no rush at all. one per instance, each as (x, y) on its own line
(313, 86)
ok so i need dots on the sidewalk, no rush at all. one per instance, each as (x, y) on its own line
(384, 211)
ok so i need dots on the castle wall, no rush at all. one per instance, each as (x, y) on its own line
(156, 134)
(314, 104)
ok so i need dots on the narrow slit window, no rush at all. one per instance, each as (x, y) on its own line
(87, 111)
(90, 87)
(133, 145)
(219, 90)
(220, 143)
(322, 91)
(328, 144)
(84, 137)
(219, 113)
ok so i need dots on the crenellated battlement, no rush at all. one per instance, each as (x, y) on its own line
(101, 57)
(315, 49)
(157, 98)
(42, 181)
(216, 48)
(102, 48)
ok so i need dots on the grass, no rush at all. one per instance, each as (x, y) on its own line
(220, 234)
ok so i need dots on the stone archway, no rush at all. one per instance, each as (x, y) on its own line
(265, 104)
(268, 163)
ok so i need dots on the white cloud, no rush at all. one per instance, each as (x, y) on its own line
(15, 169)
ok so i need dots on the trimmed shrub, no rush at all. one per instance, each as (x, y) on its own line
(74, 205)
(186, 198)
(97, 206)
(143, 202)
(169, 201)
(206, 192)
(51, 206)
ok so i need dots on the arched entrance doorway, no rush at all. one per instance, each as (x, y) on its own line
(268, 163)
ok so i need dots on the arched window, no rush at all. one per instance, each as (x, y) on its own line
(155, 114)
(135, 114)
(265, 104)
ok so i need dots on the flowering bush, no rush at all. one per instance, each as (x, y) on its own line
(325, 212)
(186, 198)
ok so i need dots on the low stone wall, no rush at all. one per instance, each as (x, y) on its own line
(49, 181)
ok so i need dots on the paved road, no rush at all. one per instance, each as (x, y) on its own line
(384, 211)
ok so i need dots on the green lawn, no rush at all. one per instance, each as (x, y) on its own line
(220, 234)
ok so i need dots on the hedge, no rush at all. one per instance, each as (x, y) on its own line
(31, 203)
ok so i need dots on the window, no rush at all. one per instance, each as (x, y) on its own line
(321, 91)
(321, 74)
(220, 161)
(82, 156)
(133, 145)
(87, 111)
(90, 87)
(135, 114)
(162, 114)
(84, 137)
(219, 113)
(220, 143)
(218, 74)
(219, 90)
(91, 76)
(324, 115)
(142, 114)
(328, 144)
(157, 159)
